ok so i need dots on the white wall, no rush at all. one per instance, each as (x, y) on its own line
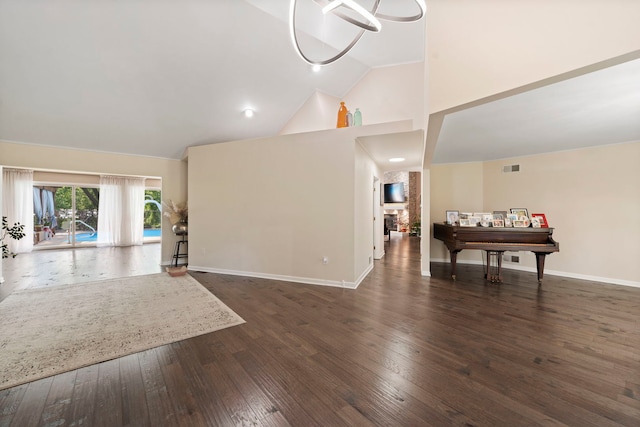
(454, 187)
(592, 199)
(388, 94)
(477, 52)
(384, 95)
(363, 196)
(319, 112)
(274, 207)
(589, 196)
(172, 172)
(476, 49)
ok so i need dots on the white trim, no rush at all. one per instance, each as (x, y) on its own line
(425, 273)
(305, 280)
(607, 280)
(363, 275)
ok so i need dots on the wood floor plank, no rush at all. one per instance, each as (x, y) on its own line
(187, 411)
(9, 402)
(159, 405)
(58, 399)
(108, 408)
(83, 397)
(29, 412)
(134, 399)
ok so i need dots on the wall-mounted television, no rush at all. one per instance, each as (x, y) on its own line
(394, 192)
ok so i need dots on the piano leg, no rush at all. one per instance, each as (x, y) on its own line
(494, 272)
(454, 258)
(540, 265)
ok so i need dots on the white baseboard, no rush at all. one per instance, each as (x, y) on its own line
(295, 279)
(570, 275)
(363, 275)
(607, 280)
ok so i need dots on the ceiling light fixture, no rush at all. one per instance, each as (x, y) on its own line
(371, 22)
(248, 112)
(396, 159)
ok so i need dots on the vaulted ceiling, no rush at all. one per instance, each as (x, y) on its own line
(153, 77)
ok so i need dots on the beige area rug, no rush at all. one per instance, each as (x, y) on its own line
(47, 331)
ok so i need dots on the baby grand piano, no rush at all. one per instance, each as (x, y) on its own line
(495, 241)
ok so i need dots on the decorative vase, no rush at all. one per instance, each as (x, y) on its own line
(180, 228)
(357, 118)
(342, 116)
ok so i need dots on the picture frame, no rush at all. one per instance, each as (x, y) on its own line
(542, 218)
(466, 223)
(481, 214)
(453, 217)
(520, 212)
(500, 215)
(498, 222)
(475, 220)
(484, 218)
(535, 222)
(520, 223)
(507, 222)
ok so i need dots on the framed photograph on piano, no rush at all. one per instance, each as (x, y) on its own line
(453, 217)
(542, 219)
(520, 212)
(499, 215)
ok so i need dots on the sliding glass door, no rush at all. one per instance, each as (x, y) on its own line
(152, 216)
(85, 204)
(69, 216)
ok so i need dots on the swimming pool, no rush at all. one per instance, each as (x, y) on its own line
(83, 236)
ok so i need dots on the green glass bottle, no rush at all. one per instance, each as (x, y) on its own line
(357, 118)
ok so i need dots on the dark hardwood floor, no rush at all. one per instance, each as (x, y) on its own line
(401, 350)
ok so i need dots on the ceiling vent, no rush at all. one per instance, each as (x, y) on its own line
(511, 168)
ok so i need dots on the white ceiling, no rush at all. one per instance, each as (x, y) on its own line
(599, 108)
(406, 145)
(153, 77)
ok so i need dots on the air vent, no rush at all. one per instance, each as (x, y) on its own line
(511, 168)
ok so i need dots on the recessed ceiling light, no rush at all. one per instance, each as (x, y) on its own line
(316, 68)
(248, 112)
(397, 159)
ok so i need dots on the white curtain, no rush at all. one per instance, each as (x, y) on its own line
(37, 205)
(121, 211)
(48, 207)
(17, 206)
